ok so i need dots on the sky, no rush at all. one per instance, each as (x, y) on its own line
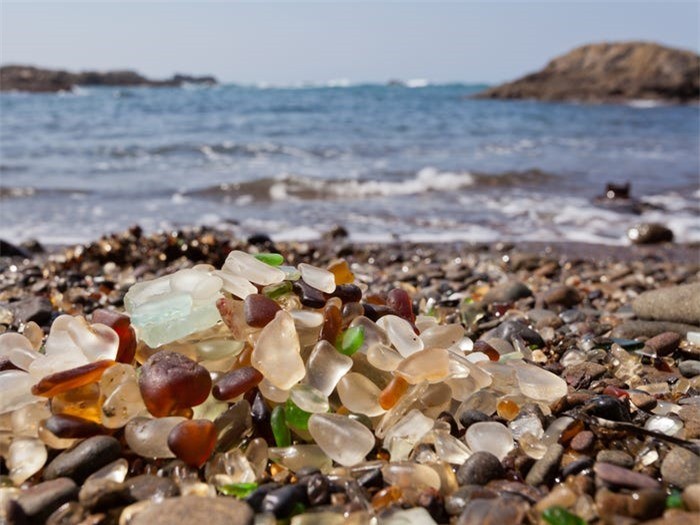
(291, 42)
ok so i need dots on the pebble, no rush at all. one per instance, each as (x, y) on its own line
(85, 458)
(608, 407)
(511, 329)
(679, 304)
(192, 509)
(36, 309)
(567, 296)
(643, 504)
(634, 329)
(457, 501)
(649, 233)
(479, 469)
(281, 501)
(689, 368)
(664, 344)
(621, 477)
(582, 441)
(642, 400)
(507, 292)
(691, 497)
(37, 503)
(544, 469)
(582, 374)
(103, 494)
(680, 468)
(501, 511)
(615, 457)
(491, 437)
(193, 441)
(150, 487)
(468, 417)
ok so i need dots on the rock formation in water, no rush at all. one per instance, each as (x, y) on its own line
(38, 80)
(611, 72)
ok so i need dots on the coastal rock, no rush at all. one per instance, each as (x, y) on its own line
(611, 72)
(194, 509)
(479, 469)
(507, 293)
(649, 233)
(664, 344)
(634, 329)
(563, 296)
(85, 458)
(690, 368)
(680, 304)
(40, 80)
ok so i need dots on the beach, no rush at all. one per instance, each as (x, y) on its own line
(621, 441)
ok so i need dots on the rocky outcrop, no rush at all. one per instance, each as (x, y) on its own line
(38, 80)
(611, 72)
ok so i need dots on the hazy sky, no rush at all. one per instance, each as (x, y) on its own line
(294, 42)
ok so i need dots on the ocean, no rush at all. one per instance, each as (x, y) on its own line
(415, 162)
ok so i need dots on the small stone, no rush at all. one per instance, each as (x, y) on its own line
(681, 468)
(151, 487)
(643, 504)
(563, 296)
(511, 329)
(36, 309)
(680, 304)
(622, 477)
(500, 511)
(582, 374)
(193, 509)
(689, 368)
(508, 292)
(642, 400)
(468, 417)
(37, 503)
(615, 457)
(664, 344)
(633, 329)
(582, 441)
(103, 494)
(457, 501)
(608, 407)
(85, 458)
(544, 469)
(281, 501)
(649, 233)
(479, 469)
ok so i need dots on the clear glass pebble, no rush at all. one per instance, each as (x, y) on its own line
(236, 285)
(276, 352)
(384, 357)
(149, 437)
(539, 384)
(344, 440)
(411, 475)
(401, 334)
(670, 426)
(18, 349)
(431, 365)
(326, 366)
(360, 395)
(491, 437)
(317, 277)
(25, 458)
(247, 266)
(309, 399)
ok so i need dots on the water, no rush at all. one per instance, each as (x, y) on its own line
(386, 162)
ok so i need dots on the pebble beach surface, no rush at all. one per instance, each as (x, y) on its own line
(423, 383)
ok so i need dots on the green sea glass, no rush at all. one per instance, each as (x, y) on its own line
(561, 516)
(280, 430)
(296, 417)
(273, 259)
(352, 340)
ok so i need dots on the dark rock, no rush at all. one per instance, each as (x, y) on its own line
(622, 477)
(679, 304)
(28, 78)
(649, 233)
(680, 468)
(579, 465)
(545, 469)
(102, 494)
(37, 309)
(664, 344)
(83, 459)
(615, 457)
(479, 469)
(507, 293)
(34, 505)
(563, 296)
(634, 329)
(318, 490)
(71, 513)
(501, 511)
(455, 502)
(148, 486)
(255, 499)
(610, 72)
(469, 417)
(10, 250)
(608, 407)
(194, 509)
(282, 501)
(689, 368)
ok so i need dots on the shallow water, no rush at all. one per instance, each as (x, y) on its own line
(387, 162)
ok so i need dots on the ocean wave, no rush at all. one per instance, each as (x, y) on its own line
(8, 192)
(226, 148)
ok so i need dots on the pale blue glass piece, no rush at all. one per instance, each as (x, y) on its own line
(290, 273)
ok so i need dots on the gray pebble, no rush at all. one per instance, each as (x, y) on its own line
(622, 477)
(615, 457)
(689, 368)
(680, 304)
(634, 329)
(501, 511)
(148, 486)
(544, 469)
(193, 509)
(455, 502)
(508, 292)
(85, 458)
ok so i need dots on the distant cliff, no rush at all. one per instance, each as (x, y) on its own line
(39, 80)
(611, 72)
